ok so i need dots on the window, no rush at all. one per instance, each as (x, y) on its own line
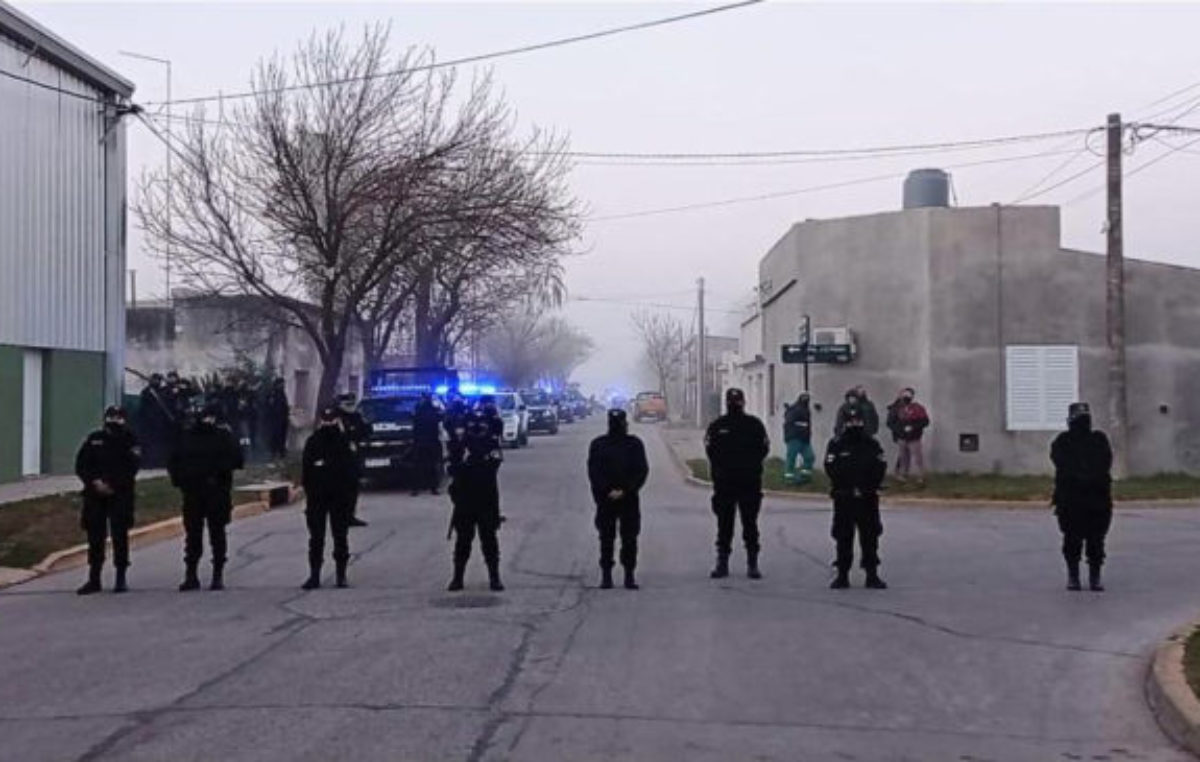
(300, 392)
(354, 385)
(1040, 382)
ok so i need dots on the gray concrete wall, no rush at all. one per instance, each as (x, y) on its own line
(868, 273)
(936, 295)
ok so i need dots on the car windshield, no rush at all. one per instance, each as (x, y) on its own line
(537, 399)
(506, 401)
(389, 409)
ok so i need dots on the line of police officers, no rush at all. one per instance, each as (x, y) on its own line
(208, 453)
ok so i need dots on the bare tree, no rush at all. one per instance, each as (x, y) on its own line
(312, 191)
(527, 347)
(662, 344)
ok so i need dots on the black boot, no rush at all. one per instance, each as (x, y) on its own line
(1094, 578)
(456, 584)
(191, 580)
(606, 580)
(874, 582)
(494, 582)
(120, 585)
(752, 565)
(314, 577)
(721, 570)
(340, 574)
(357, 522)
(841, 581)
(1073, 576)
(218, 577)
(630, 580)
(93, 582)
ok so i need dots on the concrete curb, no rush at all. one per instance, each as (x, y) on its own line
(924, 502)
(1172, 700)
(76, 556)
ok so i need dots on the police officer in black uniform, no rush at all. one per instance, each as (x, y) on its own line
(1082, 459)
(487, 404)
(107, 464)
(427, 446)
(474, 466)
(736, 444)
(357, 431)
(856, 466)
(202, 468)
(330, 475)
(617, 470)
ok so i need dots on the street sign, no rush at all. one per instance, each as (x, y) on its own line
(795, 354)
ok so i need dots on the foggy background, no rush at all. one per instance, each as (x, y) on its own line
(771, 77)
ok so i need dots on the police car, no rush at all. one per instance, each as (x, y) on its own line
(515, 414)
(387, 452)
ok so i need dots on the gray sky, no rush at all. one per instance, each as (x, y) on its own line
(775, 76)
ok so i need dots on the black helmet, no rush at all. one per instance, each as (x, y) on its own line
(114, 411)
(329, 414)
(1078, 410)
(735, 396)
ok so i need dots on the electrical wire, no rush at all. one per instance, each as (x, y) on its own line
(1141, 167)
(475, 58)
(1070, 179)
(658, 305)
(809, 189)
(51, 88)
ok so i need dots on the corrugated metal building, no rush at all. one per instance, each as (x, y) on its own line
(62, 245)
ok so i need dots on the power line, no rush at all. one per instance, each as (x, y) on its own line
(475, 58)
(809, 189)
(946, 145)
(1173, 150)
(51, 88)
(658, 305)
(1069, 179)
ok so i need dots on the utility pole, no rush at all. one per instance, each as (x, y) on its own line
(1115, 303)
(806, 340)
(701, 356)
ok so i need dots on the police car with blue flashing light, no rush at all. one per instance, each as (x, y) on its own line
(387, 454)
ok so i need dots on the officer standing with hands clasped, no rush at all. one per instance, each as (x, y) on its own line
(357, 431)
(617, 469)
(736, 444)
(107, 464)
(474, 464)
(1083, 502)
(856, 466)
(330, 476)
(202, 468)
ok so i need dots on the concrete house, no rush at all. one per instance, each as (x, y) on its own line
(62, 245)
(995, 324)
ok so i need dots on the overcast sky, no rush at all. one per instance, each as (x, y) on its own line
(775, 76)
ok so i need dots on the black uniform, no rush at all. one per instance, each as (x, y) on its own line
(856, 466)
(357, 431)
(617, 461)
(109, 455)
(275, 419)
(330, 477)
(427, 447)
(736, 444)
(474, 467)
(202, 468)
(1083, 495)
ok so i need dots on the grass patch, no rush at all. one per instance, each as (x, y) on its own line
(953, 486)
(1191, 661)
(32, 529)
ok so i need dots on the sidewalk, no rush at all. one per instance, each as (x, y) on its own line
(42, 486)
(687, 443)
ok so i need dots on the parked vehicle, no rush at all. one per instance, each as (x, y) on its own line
(515, 415)
(650, 406)
(543, 413)
(387, 455)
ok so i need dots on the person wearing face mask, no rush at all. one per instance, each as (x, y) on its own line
(107, 464)
(907, 420)
(202, 468)
(1082, 458)
(330, 475)
(617, 470)
(427, 446)
(736, 445)
(856, 466)
(474, 465)
(357, 431)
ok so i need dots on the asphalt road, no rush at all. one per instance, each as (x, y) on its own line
(976, 653)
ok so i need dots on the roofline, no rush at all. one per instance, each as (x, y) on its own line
(47, 45)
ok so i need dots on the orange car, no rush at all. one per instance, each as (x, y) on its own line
(650, 406)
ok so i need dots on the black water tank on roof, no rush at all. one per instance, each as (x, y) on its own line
(925, 188)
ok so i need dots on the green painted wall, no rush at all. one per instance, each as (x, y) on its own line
(12, 372)
(72, 405)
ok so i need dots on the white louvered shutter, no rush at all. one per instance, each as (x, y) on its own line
(1041, 381)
